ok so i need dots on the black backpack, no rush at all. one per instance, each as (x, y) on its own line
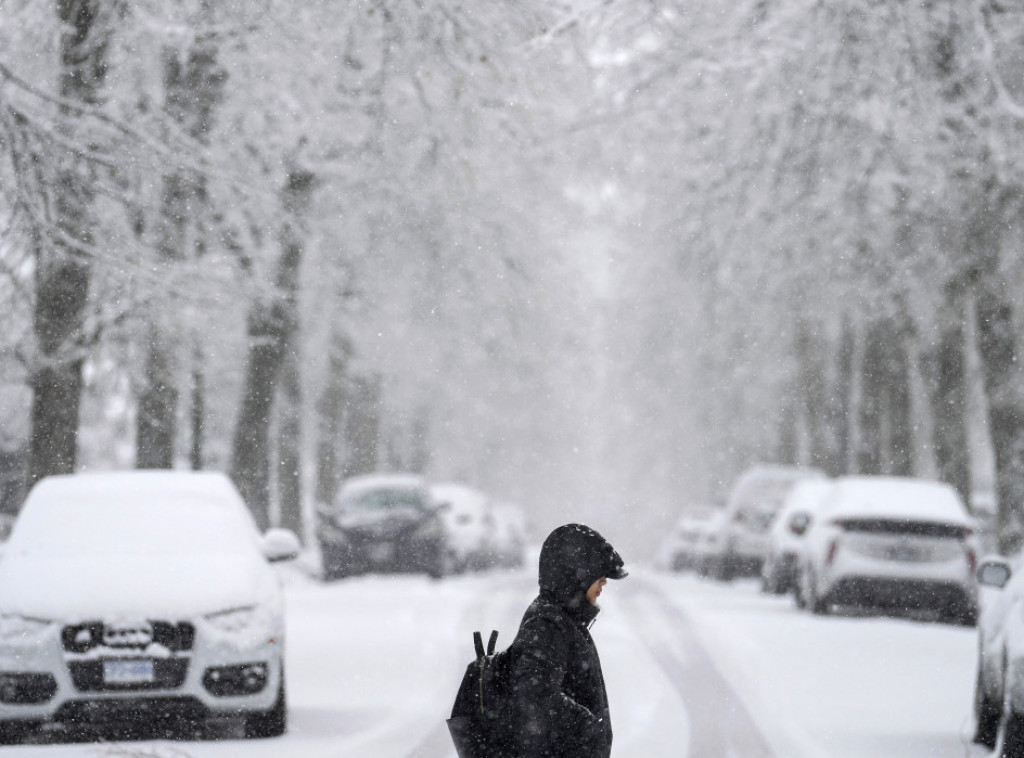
(481, 725)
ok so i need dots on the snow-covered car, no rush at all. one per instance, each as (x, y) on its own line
(678, 551)
(753, 503)
(999, 687)
(382, 522)
(786, 536)
(468, 518)
(709, 547)
(508, 539)
(143, 595)
(892, 542)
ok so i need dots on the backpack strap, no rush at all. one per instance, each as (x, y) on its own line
(478, 644)
(492, 642)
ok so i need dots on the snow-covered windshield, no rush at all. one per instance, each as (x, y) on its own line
(173, 525)
(381, 499)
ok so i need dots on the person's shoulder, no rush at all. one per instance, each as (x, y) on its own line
(545, 628)
(543, 612)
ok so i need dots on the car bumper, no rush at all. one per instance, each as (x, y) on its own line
(747, 553)
(216, 677)
(859, 580)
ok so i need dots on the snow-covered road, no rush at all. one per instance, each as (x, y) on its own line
(694, 668)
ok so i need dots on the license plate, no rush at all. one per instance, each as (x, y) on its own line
(381, 552)
(903, 554)
(127, 672)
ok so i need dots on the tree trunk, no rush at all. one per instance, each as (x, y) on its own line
(271, 327)
(62, 272)
(977, 424)
(922, 422)
(362, 429)
(330, 417)
(855, 402)
(198, 413)
(156, 426)
(193, 87)
(289, 446)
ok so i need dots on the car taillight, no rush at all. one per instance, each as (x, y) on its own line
(972, 560)
(833, 548)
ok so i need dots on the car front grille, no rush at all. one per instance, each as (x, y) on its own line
(176, 637)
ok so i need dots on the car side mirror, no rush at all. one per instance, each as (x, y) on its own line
(799, 523)
(994, 572)
(280, 545)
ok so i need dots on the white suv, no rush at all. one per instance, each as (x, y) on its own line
(999, 690)
(786, 538)
(141, 595)
(754, 502)
(892, 542)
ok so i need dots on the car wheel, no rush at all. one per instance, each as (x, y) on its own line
(444, 564)
(819, 606)
(724, 569)
(1013, 735)
(771, 583)
(274, 722)
(798, 595)
(986, 717)
(333, 563)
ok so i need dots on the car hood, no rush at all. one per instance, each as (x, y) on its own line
(154, 587)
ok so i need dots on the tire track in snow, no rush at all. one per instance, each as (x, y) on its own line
(720, 724)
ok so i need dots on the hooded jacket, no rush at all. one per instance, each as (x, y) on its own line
(561, 701)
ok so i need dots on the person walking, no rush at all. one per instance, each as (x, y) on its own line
(561, 704)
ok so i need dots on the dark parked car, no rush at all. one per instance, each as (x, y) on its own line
(382, 522)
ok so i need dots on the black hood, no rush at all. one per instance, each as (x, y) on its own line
(572, 558)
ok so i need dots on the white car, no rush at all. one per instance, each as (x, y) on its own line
(508, 541)
(709, 547)
(468, 520)
(892, 542)
(751, 509)
(999, 688)
(786, 536)
(143, 595)
(679, 550)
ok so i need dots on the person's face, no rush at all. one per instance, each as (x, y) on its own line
(595, 590)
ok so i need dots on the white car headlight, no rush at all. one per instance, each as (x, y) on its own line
(247, 626)
(14, 628)
(235, 620)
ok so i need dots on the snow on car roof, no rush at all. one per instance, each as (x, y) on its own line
(135, 511)
(897, 498)
(379, 481)
(90, 486)
(807, 495)
(133, 542)
(766, 485)
(459, 496)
